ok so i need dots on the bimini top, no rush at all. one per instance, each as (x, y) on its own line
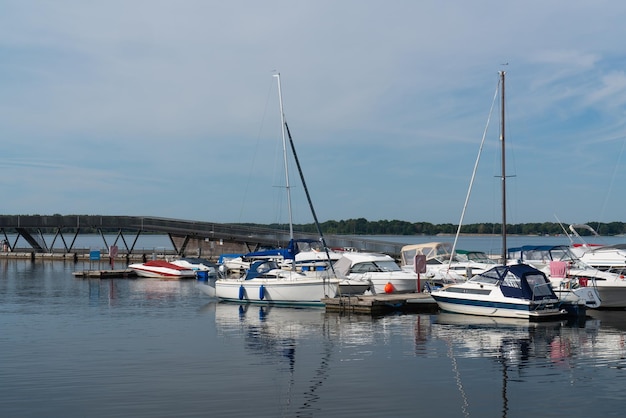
(541, 252)
(518, 281)
(289, 253)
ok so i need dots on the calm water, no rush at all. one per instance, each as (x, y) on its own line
(150, 348)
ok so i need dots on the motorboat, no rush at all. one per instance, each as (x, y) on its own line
(162, 269)
(378, 270)
(266, 282)
(513, 291)
(196, 264)
(441, 266)
(602, 257)
(610, 286)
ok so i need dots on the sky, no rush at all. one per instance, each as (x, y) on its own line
(171, 109)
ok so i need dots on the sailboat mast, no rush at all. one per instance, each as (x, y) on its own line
(282, 130)
(504, 249)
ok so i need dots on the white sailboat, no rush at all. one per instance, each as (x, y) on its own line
(265, 281)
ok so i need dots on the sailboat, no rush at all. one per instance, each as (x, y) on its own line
(266, 281)
(513, 291)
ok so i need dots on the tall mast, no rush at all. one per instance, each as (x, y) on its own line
(504, 249)
(282, 130)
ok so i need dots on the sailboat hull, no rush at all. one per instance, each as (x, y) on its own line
(299, 291)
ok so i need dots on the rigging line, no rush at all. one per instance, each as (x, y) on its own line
(308, 196)
(469, 191)
(608, 193)
(255, 152)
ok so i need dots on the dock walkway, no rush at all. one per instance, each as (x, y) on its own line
(383, 303)
(105, 274)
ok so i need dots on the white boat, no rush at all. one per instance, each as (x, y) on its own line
(378, 270)
(196, 264)
(443, 268)
(162, 269)
(602, 257)
(574, 273)
(515, 291)
(265, 281)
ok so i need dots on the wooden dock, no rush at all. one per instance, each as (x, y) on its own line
(384, 303)
(105, 274)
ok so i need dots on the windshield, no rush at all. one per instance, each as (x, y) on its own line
(538, 285)
(387, 265)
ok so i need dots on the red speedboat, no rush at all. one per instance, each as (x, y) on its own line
(162, 268)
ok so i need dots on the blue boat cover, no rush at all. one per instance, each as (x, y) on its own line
(521, 281)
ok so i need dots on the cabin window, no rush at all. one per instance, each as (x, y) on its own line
(387, 266)
(364, 268)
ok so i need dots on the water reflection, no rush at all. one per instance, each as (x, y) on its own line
(524, 349)
(278, 334)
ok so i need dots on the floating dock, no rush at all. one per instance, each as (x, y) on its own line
(384, 303)
(105, 274)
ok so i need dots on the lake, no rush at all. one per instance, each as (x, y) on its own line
(155, 348)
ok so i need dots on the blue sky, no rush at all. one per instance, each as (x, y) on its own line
(170, 108)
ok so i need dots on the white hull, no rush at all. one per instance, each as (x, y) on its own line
(610, 287)
(353, 287)
(156, 272)
(400, 282)
(308, 291)
(520, 312)
(207, 288)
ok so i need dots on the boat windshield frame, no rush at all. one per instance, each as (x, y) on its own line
(479, 278)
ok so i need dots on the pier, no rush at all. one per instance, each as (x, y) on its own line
(186, 236)
(381, 304)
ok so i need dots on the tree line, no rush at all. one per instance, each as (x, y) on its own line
(362, 226)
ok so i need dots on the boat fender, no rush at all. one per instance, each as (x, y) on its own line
(389, 288)
(262, 292)
(242, 292)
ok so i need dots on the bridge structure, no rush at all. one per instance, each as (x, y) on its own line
(58, 233)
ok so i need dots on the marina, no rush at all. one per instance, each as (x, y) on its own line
(159, 348)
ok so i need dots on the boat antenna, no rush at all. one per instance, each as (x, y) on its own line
(282, 129)
(308, 197)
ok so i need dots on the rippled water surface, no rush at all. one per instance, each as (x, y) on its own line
(149, 348)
